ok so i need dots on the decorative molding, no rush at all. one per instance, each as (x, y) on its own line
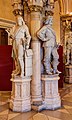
(18, 12)
(61, 6)
(6, 23)
(17, 7)
(66, 16)
(35, 8)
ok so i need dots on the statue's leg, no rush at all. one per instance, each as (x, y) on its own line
(15, 56)
(71, 56)
(17, 67)
(20, 57)
(68, 56)
(47, 59)
(55, 60)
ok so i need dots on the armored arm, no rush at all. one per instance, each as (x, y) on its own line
(41, 34)
(28, 37)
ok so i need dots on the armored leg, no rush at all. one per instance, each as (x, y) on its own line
(20, 57)
(71, 56)
(15, 56)
(47, 59)
(68, 56)
(55, 60)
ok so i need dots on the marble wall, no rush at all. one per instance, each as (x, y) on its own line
(6, 10)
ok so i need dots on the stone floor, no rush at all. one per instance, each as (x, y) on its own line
(64, 113)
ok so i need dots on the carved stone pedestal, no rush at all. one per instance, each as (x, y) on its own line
(68, 73)
(50, 91)
(20, 98)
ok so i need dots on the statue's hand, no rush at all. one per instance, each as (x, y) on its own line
(11, 36)
(7, 30)
(46, 39)
(27, 46)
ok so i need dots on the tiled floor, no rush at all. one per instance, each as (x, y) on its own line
(64, 113)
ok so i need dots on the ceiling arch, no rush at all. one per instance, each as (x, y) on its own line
(61, 6)
(65, 6)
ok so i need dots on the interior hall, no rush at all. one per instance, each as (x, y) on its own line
(35, 59)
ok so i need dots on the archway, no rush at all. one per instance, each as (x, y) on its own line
(3, 37)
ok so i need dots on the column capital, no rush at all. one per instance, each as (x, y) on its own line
(17, 7)
(35, 8)
(17, 12)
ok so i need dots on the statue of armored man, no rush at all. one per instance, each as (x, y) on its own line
(47, 35)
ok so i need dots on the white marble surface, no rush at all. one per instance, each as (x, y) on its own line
(20, 97)
(28, 62)
(36, 77)
(50, 91)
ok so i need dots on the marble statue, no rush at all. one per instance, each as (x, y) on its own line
(21, 40)
(48, 36)
(69, 49)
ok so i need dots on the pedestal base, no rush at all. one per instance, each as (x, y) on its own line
(20, 98)
(52, 103)
(50, 91)
(39, 106)
(68, 75)
(20, 105)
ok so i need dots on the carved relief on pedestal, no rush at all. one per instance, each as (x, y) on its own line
(20, 97)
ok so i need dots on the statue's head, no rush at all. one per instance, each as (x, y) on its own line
(20, 20)
(49, 20)
(70, 34)
(49, 17)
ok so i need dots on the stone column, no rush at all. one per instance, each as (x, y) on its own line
(36, 78)
(35, 24)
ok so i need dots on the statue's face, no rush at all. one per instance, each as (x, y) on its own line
(70, 34)
(51, 20)
(19, 21)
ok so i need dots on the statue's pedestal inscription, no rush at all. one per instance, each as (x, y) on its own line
(50, 91)
(68, 77)
(20, 98)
